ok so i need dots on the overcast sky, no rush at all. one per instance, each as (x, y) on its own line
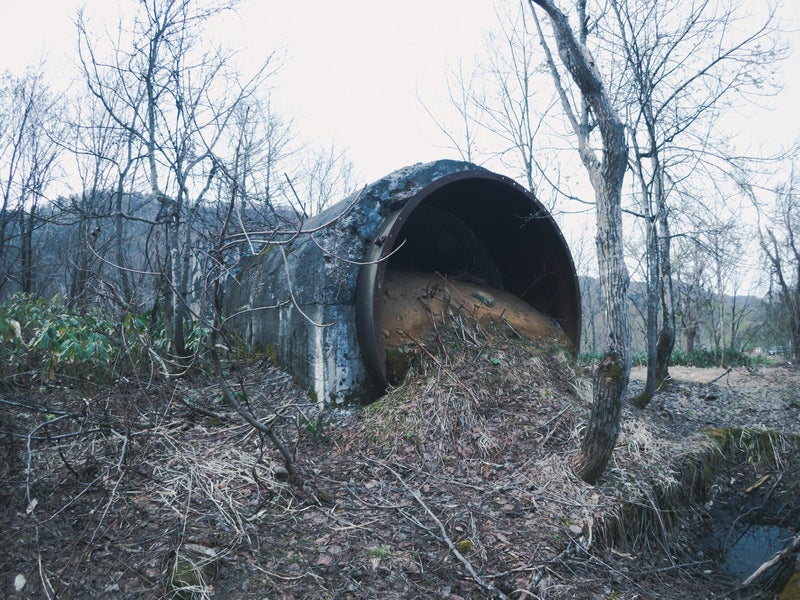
(353, 71)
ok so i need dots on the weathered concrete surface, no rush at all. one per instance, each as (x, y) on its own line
(302, 301)
(310, 284)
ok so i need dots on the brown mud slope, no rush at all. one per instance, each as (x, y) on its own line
(454, 485)
(415, 303)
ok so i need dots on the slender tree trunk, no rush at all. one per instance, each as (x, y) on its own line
(594, 335)
(177, 309)
(80, 261)
(690, 331)
(796, 317)
(651, 328)
(606, 174)
(27, 225)
(119, 240)
(4, 221)
(666, 337)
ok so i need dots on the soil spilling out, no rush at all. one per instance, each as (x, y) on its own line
(416, 304)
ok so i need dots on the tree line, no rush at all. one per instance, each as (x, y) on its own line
(618, 109)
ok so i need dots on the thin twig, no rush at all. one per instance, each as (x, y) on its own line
(443, 535)
(720, 377)
(230, 398)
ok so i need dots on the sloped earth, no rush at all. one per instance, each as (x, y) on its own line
(454, 485)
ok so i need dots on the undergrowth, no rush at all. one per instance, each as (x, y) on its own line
(42, 339)
(699, 358)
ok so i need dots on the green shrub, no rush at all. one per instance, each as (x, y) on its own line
(589, 358)
(46, 338)
(699, 358)
(708, 358)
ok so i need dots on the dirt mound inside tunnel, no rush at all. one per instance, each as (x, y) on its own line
(416, 303)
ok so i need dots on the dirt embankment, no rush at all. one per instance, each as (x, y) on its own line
(454, 485)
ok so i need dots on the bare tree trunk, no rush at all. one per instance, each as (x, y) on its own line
(666, 337)
(651, 327)
(6, 218)
(26, 227)
(79, 279)
(796, 319)
(119, 243)
(606, 175)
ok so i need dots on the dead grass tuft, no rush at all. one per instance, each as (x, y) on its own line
(455, 484)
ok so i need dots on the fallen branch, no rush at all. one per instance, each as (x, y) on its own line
(443, 535)
(230, 398)
(203, 411)
(720, 377)
(793, 546)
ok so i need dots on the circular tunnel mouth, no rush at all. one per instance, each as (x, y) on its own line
(477, 226)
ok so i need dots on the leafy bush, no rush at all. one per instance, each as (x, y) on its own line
(43, 339)
(589, 358)
(708, 358)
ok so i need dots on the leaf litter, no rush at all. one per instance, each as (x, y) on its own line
(455, 484)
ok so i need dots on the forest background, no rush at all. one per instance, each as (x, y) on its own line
(315, 105)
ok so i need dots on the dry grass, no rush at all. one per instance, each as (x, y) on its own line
(455, 484)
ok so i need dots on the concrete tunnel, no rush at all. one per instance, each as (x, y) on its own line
(312, 300)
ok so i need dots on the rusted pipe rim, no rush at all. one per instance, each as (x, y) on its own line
(513, 224)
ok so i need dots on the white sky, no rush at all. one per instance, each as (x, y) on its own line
(354, 70)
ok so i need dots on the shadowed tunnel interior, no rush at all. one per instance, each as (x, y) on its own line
(480, 227)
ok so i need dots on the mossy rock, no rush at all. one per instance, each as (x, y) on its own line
(195, 567)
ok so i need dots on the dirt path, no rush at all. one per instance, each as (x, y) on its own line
(767, 397)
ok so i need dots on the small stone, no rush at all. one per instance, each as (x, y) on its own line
(484, 297)
(281, 473)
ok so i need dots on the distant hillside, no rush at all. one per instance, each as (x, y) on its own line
(748, 318)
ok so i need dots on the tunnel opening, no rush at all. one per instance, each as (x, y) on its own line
(475, 227)
(326, 289)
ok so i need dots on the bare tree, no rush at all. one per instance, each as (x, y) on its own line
(778, 227)
(691, 298)
(507, 103)
(105, 161)
(176, 98)
(606, 171)
(325, 176)
(461, 92)
(29, 116)
(503, 102)
(683, 65)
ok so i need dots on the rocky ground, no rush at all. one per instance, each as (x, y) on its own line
(455, 485)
